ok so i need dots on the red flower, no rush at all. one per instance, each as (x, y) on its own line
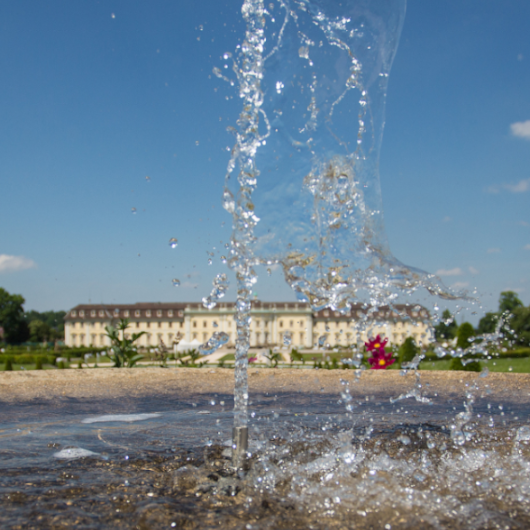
(376, 344)
(252, 359)
(380, 358)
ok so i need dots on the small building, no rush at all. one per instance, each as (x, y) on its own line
(271, 324)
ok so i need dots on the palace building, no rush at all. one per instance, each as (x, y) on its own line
(168, 323)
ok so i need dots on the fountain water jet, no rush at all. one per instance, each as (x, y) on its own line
(302, 183)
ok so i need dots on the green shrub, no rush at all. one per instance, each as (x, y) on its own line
(38, 363)
(61, 365)
(457, 364)
(9, 365)
(407, 351)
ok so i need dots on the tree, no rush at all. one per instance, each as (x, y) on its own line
(39, 331)
(509, 301)
(12, 317)
(520, 323)
(464, 333)
(53, 319)
(446, 329)
(407, 351)
(488, 323)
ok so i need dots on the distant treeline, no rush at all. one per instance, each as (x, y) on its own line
(17, 326)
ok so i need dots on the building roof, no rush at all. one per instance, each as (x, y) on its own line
(177, 310)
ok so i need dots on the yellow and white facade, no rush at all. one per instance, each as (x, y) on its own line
(168, 323)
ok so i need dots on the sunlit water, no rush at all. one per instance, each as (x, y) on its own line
(162, 463)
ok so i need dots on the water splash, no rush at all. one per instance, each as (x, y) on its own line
(218, 339)
(220, 286)
(302, 184)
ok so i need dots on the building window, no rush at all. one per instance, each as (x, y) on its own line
(170, 324)
(205, 337)
(204, 324)
(181, 313)
(290, 323)
(182, 324)
(170, 313)
(159, 313)
(148, 313)
(102, 313)
(160, 324)
(81, 313)
(137, 313)
(137, 324)
(92, 313)
(214, 323)
(195, 335)
(281, 323)
(149, 324)
(116, 311)
(126, 314)
(73, 313)
(194, 324)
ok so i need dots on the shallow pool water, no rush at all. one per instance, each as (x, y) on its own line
(165, 463)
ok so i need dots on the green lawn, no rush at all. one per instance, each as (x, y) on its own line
(521, 366)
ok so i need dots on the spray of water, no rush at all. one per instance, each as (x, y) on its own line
(302, 182)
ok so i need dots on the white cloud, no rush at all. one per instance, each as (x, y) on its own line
(527, 247)
(457, 271)
(520, 187)
(472, 270)
(493, 250)
(459, 285)
(15, 263)
(521, 129)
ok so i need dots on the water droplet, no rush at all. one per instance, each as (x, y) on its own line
(175, 282)
(218, 339)
(404, 439)
(223, 259)
(112, 15)
(210, 261)
(196, 142)
(148, 179)
(279, 87)
(173, 242)
(287, 338)
(523, 433)
(201, 27)
(133, 210)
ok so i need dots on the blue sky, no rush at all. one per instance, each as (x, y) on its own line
(97, 96)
